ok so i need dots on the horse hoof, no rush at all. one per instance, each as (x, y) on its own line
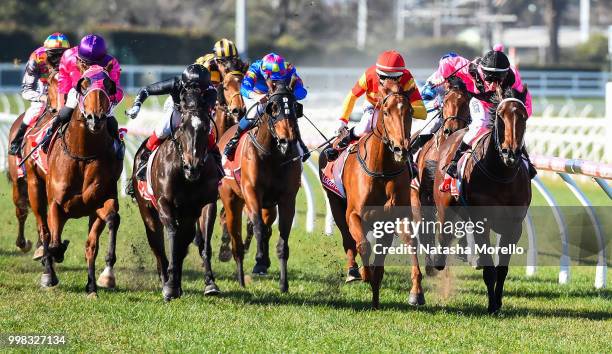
(225, 253)
(352, 275)
(171, 293)
(48, 280)
(38, 254)
(416, 299)
(440, 267)
(107, 279)
(211, 289)
(92, 295)
(431, 271)
(26, 247)
(260, 270)
(284, 288)
(59, 251)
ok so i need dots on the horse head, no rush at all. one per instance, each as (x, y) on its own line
(53, 96)
(229, 96)
(282, 111)
(191, 138)
(510, 124)
(395, 121)
(456, 110)
(95, 89)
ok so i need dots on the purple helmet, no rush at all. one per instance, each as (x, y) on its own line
(92, 49)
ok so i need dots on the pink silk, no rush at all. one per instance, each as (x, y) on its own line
(458, 66)
(69, 73)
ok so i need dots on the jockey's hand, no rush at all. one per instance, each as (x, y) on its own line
(133, 112)
(340, 128)
(263, 99)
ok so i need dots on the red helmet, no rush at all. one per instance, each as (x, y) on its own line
(390, 63)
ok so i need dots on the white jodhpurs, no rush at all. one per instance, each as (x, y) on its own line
(33, 113)
(163, 129)
(368, 120)
(481, 120)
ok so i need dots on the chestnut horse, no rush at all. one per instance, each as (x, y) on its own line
(376, 173)
(496, 188)
(82, 179)
(26, 191)
(455, 116)
(183, 179)
(270, 179)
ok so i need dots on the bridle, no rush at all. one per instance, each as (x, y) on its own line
(225, 105)
(191, 112)
(384, 137)
(461, 118)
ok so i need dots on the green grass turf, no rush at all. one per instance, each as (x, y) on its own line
(319, 314)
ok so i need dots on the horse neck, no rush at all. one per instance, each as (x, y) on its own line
(264, 136)
(81, 141)
(379, 157)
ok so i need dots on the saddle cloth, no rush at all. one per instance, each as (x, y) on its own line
(38, 156)
(416, 183)
(456, 182)
(145, 187)
(331, 175)
(232, 167)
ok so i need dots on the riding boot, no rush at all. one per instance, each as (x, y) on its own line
(532, 170)
(141, 169)
(113, 130)
(216, 154)
(451, 170)
(232, 144)
(305, 151)
(15, 148)
(413, 168)
(333, 153)
(62, 117)
(419, 142)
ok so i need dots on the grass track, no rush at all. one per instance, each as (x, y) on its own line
(319, 314)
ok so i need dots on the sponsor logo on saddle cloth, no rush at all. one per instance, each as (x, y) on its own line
(331, 175)
(456, 182)
(415, 183)
(232, 167)
(145, 187)
(38, 156)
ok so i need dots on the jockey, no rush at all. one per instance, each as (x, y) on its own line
(254, 90)
(482, 77)
(224, 51)
(34, 84)
(195, 76)
(76, 60)
(390, 65)
(433, 97)
(208, 61)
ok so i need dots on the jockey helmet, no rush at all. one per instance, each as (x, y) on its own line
(92, 49)
(56, 41)
(224, 49)
(195, 76)
(390, 64)
(273, 67)
(449, 55)
(494, 65)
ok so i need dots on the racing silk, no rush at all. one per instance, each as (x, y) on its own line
(36, 76)
(69, 73)
(173, 87)
(472, 76)
(255, 83)
(208, 61)
(368, 83)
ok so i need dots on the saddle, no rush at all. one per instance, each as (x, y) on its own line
(38, 156)
(232, 167)
(331, 174)
(145, 188)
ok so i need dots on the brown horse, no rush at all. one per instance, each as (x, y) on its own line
(376, 173)
(455, 116)
(496, 188)
(31, 192)
(82, 179)
(183, 180)
(270, 179)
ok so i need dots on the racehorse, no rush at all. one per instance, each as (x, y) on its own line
(82, 179)
(270, 179)
(184, 179)
(495, 189)
(31, 192)
(455, 116)
(376, 173)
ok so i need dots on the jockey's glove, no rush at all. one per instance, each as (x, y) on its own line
(340, 127)
(133, 112)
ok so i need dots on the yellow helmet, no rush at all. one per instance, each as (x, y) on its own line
(205, 60)
(224, 48)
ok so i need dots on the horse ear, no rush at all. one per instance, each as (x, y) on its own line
(293, 82)
(299, 110)
(110, 86)
(82, 85)
(109, 67)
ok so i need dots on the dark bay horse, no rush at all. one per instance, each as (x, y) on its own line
(496, 188)
(455, 115)
(183, 179)
(376, 173)
(32, 192)
(270, 179)
(82, 180)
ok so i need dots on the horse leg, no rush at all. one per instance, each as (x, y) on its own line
(255, 215)
(155, 236)
(338, 209)
(57, 219)
(37, 195)
(91, 252)
(507, 240)
(286, 213)
(225, 252)
(56, 224)
(171, 289)
(109, 213)
(489, 272)
(268, 216)
(206, 223)
(20, 200)
(444, 238)
(233, 219)
(417, 296)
